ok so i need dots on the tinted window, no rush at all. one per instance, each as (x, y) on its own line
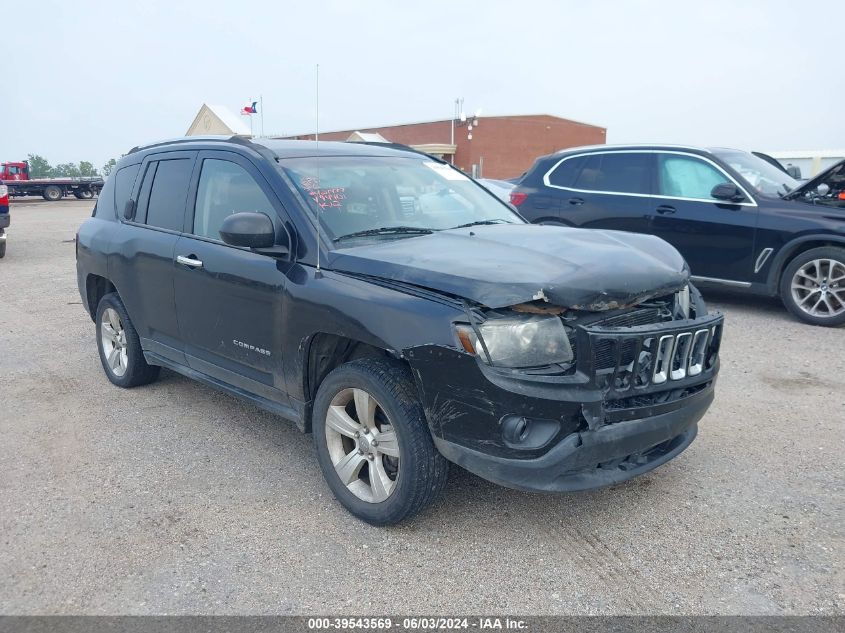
(618, 172)
(225, 188)
(123, 182)
(105, 201)
(566, 173)
(687, 177)
(144, 194)
(166, 207)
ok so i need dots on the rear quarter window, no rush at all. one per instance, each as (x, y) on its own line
(124, 180)
(567, 171)
(105, 201)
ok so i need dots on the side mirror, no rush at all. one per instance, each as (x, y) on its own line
(727, 191)
(794, 171)
(249, 229)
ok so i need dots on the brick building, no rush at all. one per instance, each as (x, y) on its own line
(501, 146)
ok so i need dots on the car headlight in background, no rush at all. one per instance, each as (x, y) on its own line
(529, 341)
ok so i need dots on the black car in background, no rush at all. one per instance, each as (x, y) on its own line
(386, 302)
(739, 221)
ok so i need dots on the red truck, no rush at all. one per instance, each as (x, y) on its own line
(16, 177)
(4, 218)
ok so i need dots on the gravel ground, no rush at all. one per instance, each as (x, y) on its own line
(177, 499)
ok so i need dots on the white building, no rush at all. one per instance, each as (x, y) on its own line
(217, 119)
(811, 162)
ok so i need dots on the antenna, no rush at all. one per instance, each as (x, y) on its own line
(319, 273)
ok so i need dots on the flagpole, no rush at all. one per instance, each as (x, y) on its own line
(261, 101)
(251, 133)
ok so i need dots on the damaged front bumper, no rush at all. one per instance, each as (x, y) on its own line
(631, 403)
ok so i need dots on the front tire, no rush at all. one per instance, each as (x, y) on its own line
(373, 443)
(119, 346)
(812, 286)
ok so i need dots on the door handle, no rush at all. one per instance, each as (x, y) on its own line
(665, 209)
(576, 201)
(191, 261)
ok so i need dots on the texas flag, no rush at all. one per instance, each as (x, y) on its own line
(250, 109)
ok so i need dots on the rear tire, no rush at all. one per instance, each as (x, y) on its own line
(119, 345)
(812, 286)
(52, 193)
(2, 249)
(84, 194)
(381, 463)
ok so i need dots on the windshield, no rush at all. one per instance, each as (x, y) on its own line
(391, 197)
(762, 176)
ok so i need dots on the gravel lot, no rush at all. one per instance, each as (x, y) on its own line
(174, 498)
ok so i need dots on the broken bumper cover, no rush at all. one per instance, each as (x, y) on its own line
(633, 403)
(593, 458)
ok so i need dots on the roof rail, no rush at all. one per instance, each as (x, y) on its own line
(193, 139)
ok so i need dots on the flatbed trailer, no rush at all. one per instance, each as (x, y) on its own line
(55, 188)
(16, 177)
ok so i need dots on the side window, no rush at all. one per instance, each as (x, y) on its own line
(225, 188)
(105, 201)
(619, 172)
(566, 173)
(687, 177)
(144, 194)
(166, 206)
(124, 179)
(14, 170)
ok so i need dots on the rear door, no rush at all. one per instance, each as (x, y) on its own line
(142, 267)
(715, 237)
(229, 299)
(605, 190)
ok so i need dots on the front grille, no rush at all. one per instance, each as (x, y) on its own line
(626, 361)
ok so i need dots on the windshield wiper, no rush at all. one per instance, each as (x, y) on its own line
(480, 222)
(387, 230)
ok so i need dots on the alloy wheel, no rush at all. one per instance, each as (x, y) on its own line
(362, 445)
(818, 288)
(113, 338)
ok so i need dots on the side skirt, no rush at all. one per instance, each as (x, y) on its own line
(282, 410)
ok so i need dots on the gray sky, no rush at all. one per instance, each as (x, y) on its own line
(106, 76)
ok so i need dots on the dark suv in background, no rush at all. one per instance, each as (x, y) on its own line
(739, 221)
(389, 304)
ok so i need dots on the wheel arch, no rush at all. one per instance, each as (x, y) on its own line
(792, 249)
(323, 352)
(97, 287)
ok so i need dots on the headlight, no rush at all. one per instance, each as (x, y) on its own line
(530, 341)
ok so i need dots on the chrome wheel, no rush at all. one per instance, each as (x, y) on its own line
(818, 288)
(362, 445)
(113, 338)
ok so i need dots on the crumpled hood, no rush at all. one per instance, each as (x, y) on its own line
(507, 264)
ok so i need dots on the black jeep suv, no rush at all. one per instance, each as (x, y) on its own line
(738, 220)
(390, 305)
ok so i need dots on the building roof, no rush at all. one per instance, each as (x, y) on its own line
(217, 119)
(486, 117)
(366, 137)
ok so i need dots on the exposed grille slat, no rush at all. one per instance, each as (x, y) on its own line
(628, 359)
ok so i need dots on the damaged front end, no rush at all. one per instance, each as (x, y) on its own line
(542, 397)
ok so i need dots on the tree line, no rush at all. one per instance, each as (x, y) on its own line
(40, 167)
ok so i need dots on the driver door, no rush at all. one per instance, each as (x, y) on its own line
(229, 300)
